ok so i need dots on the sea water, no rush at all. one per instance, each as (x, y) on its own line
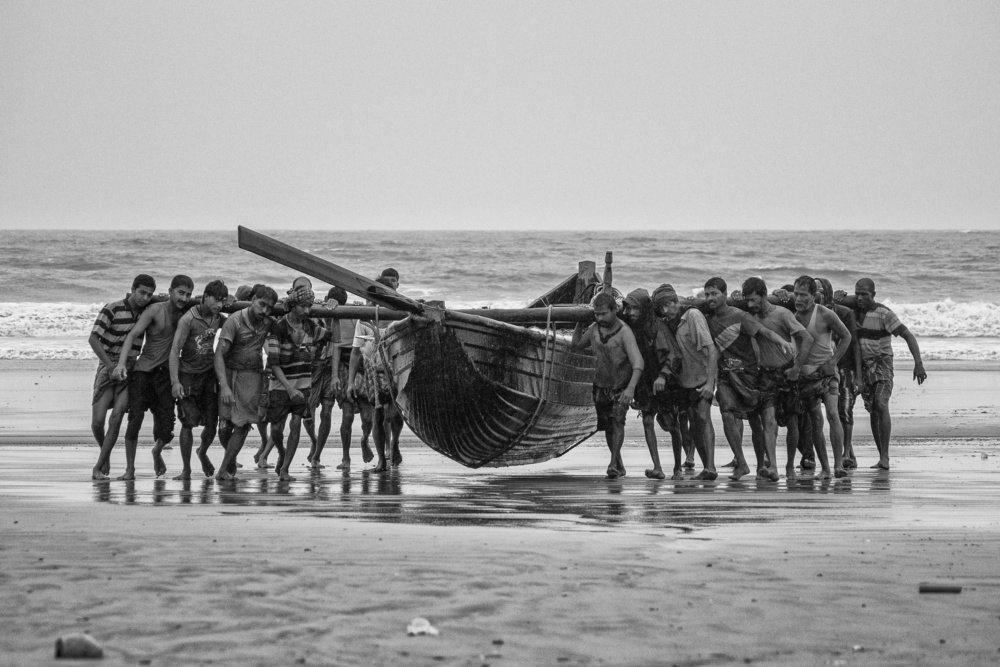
(943, 285)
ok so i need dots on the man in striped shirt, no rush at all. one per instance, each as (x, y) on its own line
(291, 345)
(876, 325)
(107, 338)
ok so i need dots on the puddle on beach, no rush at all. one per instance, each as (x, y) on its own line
(569, 493)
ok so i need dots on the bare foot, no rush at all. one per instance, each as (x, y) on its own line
(678, 473)
(106, 470)
(707, 475)
(732, 464)
(223, 475)
(366, 453)
(381, 467)
(840, 473)
(263, 464)
(129, 475)
(185, 474)
(881, 466)
(656, 473)
(739, 472)
(790, 472)
(285, 477)
(770, 474)
(206, 464)
(159, 467)
(824, 474)
(689, 464)
(98, 475)
(397, 458)
(612, 472)
(345, 465)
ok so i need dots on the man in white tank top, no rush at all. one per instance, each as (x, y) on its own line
(819, 382)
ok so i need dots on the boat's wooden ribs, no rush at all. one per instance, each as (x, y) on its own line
(482, 395)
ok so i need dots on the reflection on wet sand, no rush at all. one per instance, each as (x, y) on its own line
(567, 494)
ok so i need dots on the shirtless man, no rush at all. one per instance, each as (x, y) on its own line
(876, 325)
(699, 368)
(619, 366)
(819, 381)
(291, 346)
(107, 339)
(779, 368)
(149, 387)
(192, 375)
(738, 389)
(659, 355)
(367, 379)
(239, 366)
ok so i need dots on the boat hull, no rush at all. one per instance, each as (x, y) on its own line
(488, 394)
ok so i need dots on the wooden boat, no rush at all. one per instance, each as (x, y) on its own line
(480, 391)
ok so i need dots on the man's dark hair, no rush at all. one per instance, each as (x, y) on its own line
(788, 288)
(337, 293)
(143, 280)
(754, 285)
(718, 283)
(384, 280)
(808, 282)
(181, 279)
(605, 300)
(217, 290)
(390, 272)
(264, 292)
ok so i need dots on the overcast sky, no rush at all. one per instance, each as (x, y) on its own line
(500, 115)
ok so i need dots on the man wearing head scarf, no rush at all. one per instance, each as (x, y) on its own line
(695, 385)
(661, 362)
(291, 346)
(876, 325)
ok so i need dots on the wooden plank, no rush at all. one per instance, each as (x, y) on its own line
(585, 276)
(608, 258)
(328, 272)
(560, 314)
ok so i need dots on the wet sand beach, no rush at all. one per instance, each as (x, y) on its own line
(547, 564)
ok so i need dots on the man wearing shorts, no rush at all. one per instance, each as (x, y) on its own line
(192, 374)
(291, 346)
(107, 339)
(618, 367)
(876, 325)
(738, 389)
(239, 367)
(699, 367)
(779, 368)
(149, 387)
(848, 368)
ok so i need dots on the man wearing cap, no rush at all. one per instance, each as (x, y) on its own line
(659, 358)
(699, 367)
(876, 323)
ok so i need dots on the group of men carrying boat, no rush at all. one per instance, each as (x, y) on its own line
(764, 363)
(767, 365)
(184, 353)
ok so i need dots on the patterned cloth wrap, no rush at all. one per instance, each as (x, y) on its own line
(816, 385)
(741, 383)
(877, 374)
(300, 296)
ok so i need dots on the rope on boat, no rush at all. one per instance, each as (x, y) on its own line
(549, 357)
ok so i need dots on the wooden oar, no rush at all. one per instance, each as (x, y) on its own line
(328, 272)
(394, 305)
